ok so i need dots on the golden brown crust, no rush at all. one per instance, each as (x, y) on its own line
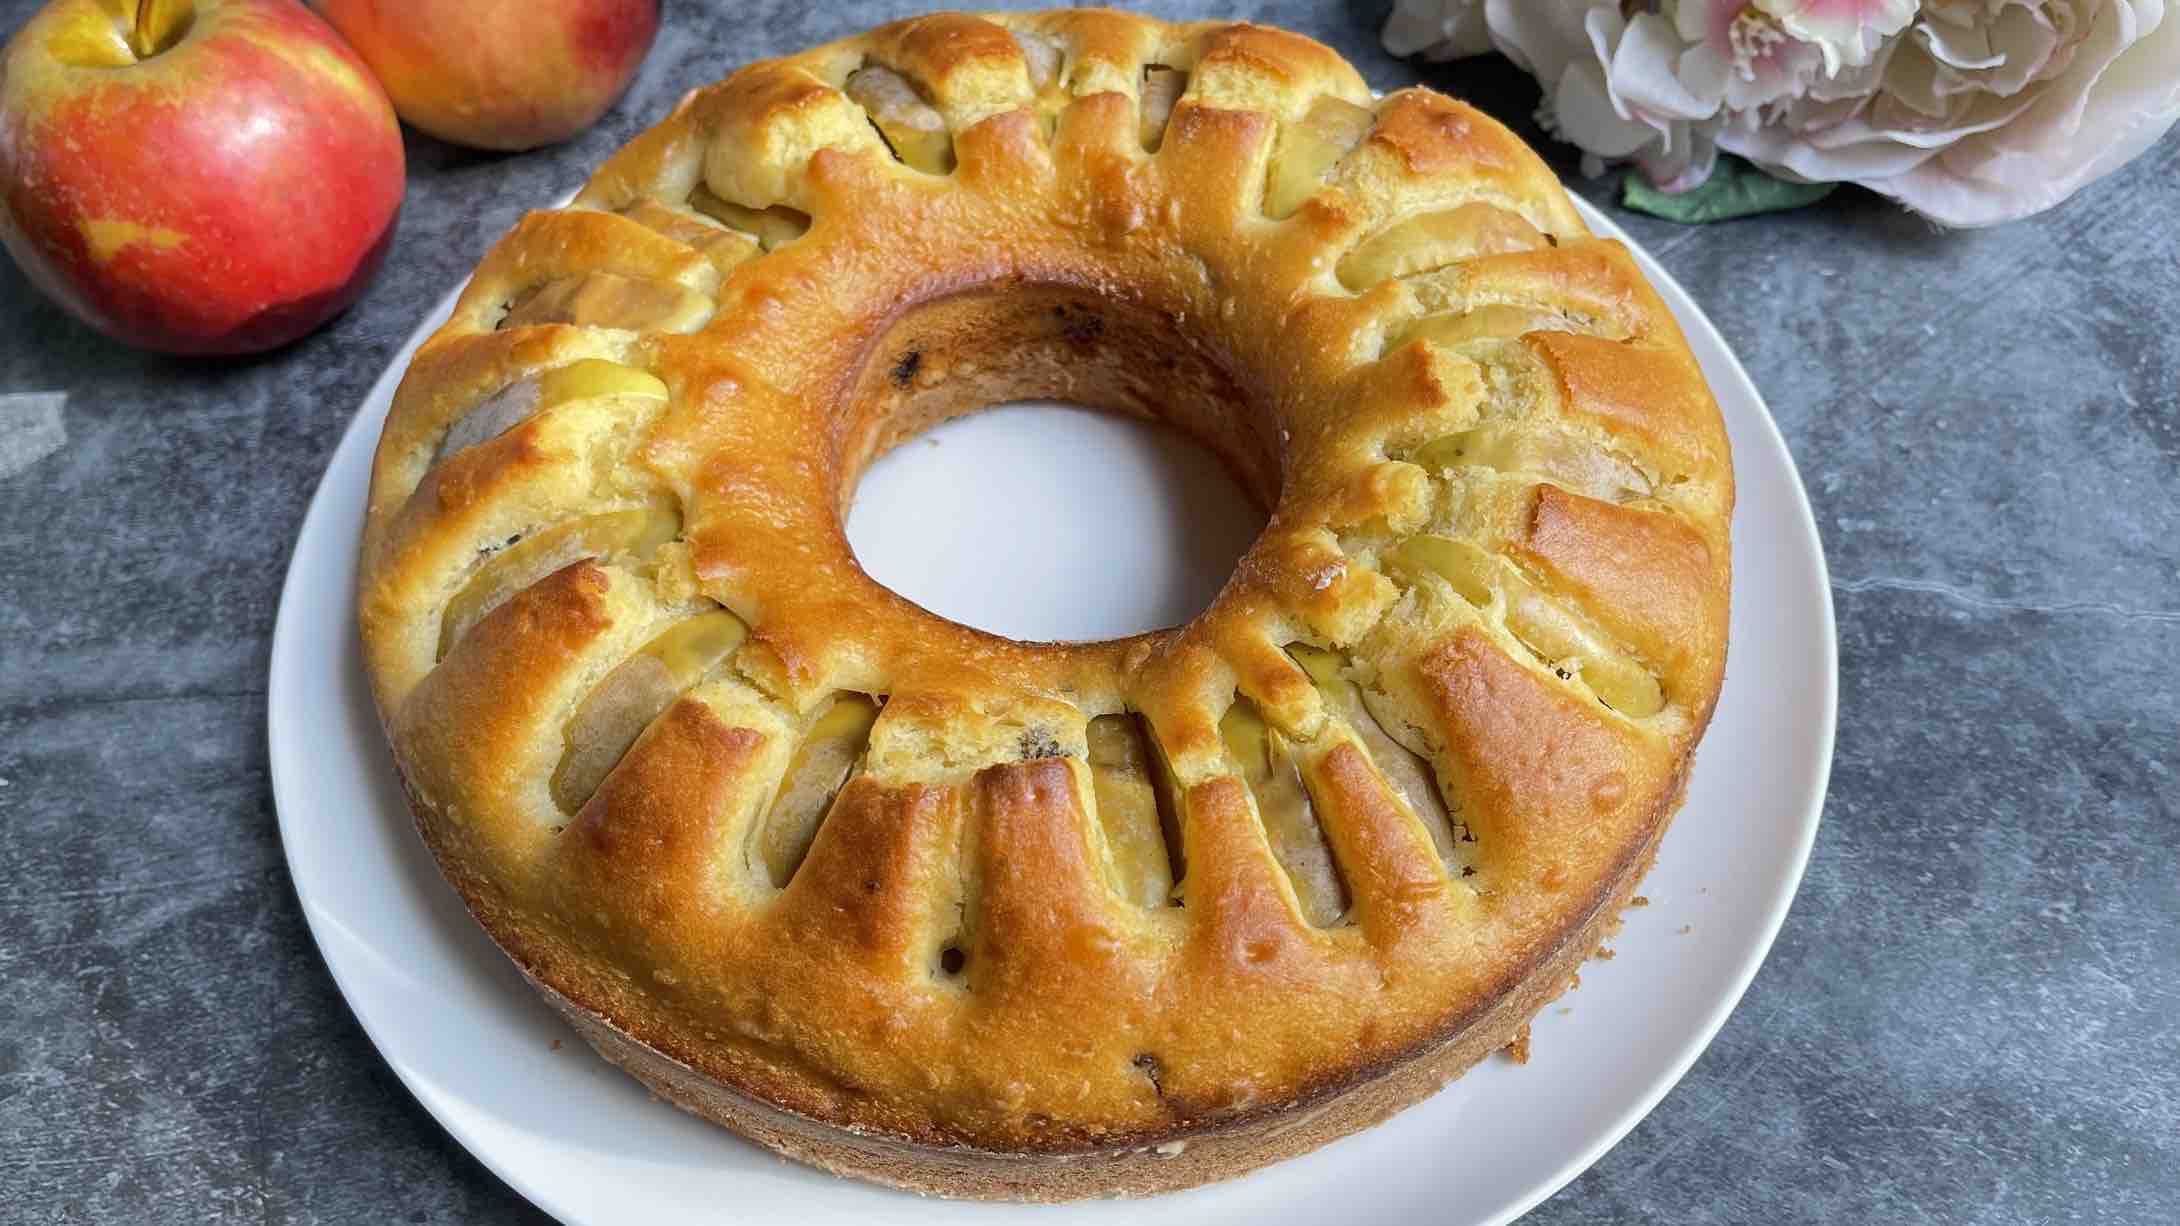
(944, 986)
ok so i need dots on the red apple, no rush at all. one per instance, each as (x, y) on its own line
(499, 74)
(208, 178)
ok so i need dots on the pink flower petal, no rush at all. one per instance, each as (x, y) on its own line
(1846, 31)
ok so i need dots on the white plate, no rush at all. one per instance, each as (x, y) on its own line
(588, 1145)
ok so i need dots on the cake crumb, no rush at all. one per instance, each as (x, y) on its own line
(1518, 1050)
(1685, 929)
(1640, 900)
(1605, 954)
(556, 1045)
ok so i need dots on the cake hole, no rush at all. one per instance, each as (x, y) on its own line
(830, 752)
(1138, 810)
(1430, 241)
(1406, 772)
(1288, 812)
(1124, 473)
(1042, 58)
(913, 130)
(1153, 1071)
(1161, 90)
(1050, 522)
(952, 961)
(770, 227)
(1308, 150)
(629, 699)
(612, 536)
(607, 300)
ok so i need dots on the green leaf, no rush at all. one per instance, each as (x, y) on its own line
(1735, 189)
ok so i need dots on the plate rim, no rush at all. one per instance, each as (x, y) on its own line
(1805, 520)
(286, 797)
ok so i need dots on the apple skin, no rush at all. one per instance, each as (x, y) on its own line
(506, 75)
(226, 195)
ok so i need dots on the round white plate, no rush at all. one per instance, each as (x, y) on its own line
(589, 1145)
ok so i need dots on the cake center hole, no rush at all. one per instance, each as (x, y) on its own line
(1048, 522)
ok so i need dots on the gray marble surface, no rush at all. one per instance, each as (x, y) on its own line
(1973, 1014)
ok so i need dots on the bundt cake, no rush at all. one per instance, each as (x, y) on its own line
(986, 918)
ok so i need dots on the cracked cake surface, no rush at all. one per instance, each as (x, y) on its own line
(988, 918)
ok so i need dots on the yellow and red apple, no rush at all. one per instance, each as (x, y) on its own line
(216, 177)
(499, 74)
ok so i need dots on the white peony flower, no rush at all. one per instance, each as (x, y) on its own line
(1969, 111)
(1988, 110)
(1614, 85)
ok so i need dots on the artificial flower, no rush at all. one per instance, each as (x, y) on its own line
(1968, 111)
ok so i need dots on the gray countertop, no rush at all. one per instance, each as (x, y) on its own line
(1973, 1014)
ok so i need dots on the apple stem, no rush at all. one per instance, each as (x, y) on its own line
(159, 23)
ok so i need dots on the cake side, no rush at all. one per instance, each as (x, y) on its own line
(1172, 1159)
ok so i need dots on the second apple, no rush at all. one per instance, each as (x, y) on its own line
(499, 74)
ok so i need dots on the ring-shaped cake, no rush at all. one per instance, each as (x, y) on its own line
(987, 918)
